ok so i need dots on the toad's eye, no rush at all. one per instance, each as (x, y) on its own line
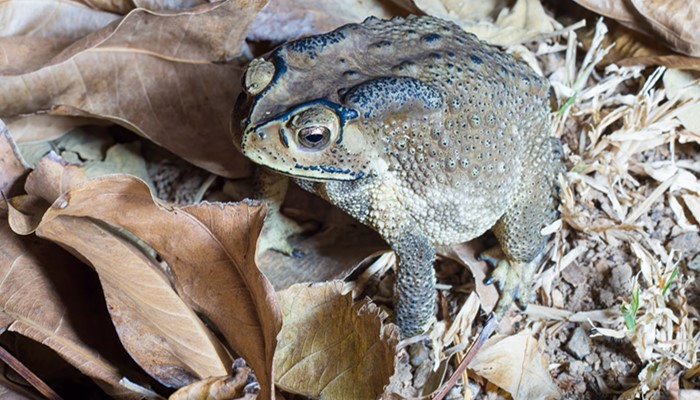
(314, 137)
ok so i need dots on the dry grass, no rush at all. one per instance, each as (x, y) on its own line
(629, 189)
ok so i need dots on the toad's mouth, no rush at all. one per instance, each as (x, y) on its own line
(331, 170)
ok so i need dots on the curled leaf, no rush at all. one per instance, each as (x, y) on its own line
(217, 387)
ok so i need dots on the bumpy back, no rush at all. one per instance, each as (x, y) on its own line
(436, 52)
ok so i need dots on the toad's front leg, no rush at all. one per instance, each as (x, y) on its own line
(380, 204)
(414, 290)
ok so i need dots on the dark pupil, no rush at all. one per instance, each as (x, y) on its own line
(314, 137)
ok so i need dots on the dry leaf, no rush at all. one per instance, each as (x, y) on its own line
(51, 19)
(460, 9)
(466, 254)
(56, 177)
(633, 48)
(693, 204)
(331, 254)
(515, 364)
(11, 166)
(31, 33)
(41, 128)
(25, 212)
(210, 249)
(160, 332)
(115, 6)
(684, 85)
(122, 158)
(619, 10)
(330, 348)
(523, 22)
(677, 23)
(674, 24)
(216, 388)
(528, 15)
(168, 5)
(292, 19)
(52, 298)
(167, 77)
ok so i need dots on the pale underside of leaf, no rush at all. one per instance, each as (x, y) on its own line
(69, 20)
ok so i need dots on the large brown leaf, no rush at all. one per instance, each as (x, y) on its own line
(331, 348)
(168, 77)
(50, 297)
(210, 249)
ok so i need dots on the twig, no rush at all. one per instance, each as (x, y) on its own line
(28, 375)
(486, 331)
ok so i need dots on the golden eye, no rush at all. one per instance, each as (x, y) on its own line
(314, 137)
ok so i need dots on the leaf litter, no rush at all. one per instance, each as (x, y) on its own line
(617, 308)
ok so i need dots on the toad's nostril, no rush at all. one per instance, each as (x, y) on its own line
(262, 135)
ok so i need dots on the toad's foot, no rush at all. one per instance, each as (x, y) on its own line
(272, 188)
(514, 279)
(276, 232)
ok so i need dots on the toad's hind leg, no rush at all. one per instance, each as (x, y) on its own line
(534, 206)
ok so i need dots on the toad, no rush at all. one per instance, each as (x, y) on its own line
(418, 130)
